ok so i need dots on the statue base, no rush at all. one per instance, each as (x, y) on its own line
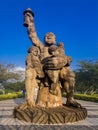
(57, 115)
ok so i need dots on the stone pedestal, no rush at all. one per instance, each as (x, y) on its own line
(49, 109)
(56, 115)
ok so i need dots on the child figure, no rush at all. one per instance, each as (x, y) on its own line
(52, 66)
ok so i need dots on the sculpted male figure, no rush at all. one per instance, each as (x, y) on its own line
(66, 76)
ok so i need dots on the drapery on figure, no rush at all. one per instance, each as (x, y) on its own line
(64, 75)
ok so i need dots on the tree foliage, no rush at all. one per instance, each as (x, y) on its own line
(14, 87)
(10, 79)
(87, 77)
(6, 72)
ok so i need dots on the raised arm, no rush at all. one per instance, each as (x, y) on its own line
(29, 23)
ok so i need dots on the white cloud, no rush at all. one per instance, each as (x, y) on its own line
(19, 68)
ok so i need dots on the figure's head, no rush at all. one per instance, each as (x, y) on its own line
(61, 45)
(69, 60)
(34, 50)
(50, 38)
(61, 48)
(53, 50)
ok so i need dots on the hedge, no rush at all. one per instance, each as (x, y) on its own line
(85, 97)
(11, 96)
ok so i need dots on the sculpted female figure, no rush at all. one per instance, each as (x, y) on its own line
(33, 74)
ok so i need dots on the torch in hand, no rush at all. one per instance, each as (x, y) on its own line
(28, 17)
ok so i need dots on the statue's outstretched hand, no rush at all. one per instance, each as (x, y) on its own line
(28, 17)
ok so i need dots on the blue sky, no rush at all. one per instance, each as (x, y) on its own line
(74, 22)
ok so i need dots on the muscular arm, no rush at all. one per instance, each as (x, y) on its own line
(33, 36)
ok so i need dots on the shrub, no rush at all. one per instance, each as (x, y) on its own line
(85, 97)
(11, 95)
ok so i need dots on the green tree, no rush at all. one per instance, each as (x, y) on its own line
(14, 87)
(87, 77)
(6, 72)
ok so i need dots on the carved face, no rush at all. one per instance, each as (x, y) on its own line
(53, 50)
(55, 53)
(34, 50)
(50, 38)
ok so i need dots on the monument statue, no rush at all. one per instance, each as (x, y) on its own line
(48, 67)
